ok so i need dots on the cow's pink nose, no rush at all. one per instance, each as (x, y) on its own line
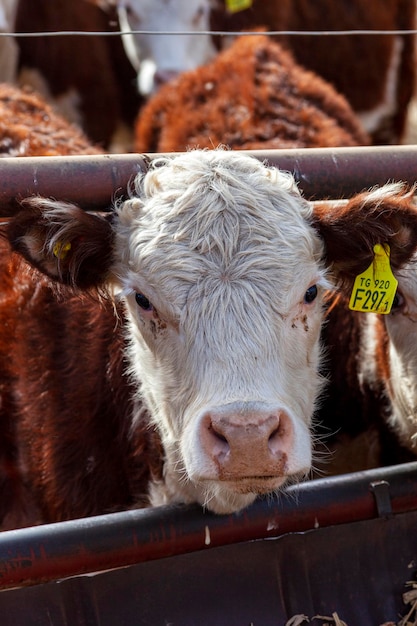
(248, 445)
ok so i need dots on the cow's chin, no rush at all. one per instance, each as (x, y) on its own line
(227, 497)
(217, 496)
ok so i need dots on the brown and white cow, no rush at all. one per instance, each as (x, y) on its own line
(179, 359)
(376, 73)
(389, 356)
(159, 57)
(368, 415)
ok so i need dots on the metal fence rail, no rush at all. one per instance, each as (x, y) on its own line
(93, 181)
(45, 553)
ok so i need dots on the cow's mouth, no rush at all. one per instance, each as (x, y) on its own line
(254, 484)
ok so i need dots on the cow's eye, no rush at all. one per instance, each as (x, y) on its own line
(311, 294)
(143, 302)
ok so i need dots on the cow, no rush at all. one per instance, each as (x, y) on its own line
(204, 107)
(31, 127)
(156, 57)
(367, 416)
(88, 79)
(389, 360)
(28, 127)
(170, 351)
(376, 73)
(251, 96)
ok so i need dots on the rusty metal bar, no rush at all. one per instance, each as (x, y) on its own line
(89, 181)
(93, 181)
(50, 552)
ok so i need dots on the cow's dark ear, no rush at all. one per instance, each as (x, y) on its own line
(350, 229)
(63, 241)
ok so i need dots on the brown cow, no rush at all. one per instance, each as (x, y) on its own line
(252, 96)
(376, 73)
(368, 415)
(88, 79)
(30, 127)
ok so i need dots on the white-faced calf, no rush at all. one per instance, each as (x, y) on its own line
(179, 359)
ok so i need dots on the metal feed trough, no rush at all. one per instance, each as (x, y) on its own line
(343, 547)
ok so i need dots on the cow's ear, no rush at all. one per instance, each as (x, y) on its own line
(350, 229)
(63, 241)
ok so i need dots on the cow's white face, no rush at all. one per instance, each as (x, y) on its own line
(221, 272)
(159, 57)
(401, 325)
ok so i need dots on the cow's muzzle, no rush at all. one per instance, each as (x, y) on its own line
(248, 445)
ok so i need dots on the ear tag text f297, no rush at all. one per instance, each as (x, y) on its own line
(234, 6)
(374, 290)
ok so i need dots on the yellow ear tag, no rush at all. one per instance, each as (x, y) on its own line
(61, 250)
(234, 6)
(374, 290)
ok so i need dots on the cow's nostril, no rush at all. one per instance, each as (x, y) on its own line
(275, 433)
(281, 434)
(219, 440)
(274, 439)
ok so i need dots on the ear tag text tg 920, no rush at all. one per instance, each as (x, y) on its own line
(233, 6)
(374, 290)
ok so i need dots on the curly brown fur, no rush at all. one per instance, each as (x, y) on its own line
(30, 127)
(251, 96)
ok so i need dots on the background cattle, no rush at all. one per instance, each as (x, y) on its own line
(251, 96)
(92, 81)
(30, 127)
(189, 320)
(376, 73)
(88, 79)
(158, 58)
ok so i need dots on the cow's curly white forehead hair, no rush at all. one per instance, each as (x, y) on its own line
(206, 193)
(206, 166)
(220, 218)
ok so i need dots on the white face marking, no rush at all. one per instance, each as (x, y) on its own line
(225, 329)
(159, 57)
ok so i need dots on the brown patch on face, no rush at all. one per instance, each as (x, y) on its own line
(303, 319)
(305, 322)
(157, 325)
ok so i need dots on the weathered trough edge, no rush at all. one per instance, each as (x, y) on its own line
(54, 551)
